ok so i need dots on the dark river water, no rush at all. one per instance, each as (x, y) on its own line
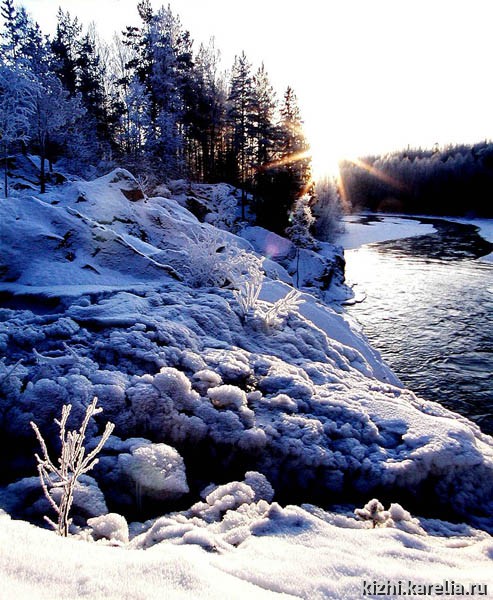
(429, 311)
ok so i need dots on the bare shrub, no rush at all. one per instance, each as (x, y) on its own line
(72, 463)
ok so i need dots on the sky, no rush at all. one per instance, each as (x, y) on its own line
(371, 76)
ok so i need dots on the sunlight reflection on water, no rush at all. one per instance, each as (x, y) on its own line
(432, 321)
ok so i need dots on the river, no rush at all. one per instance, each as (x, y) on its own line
(428, 309)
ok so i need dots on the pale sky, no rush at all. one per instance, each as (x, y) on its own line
(371, 75)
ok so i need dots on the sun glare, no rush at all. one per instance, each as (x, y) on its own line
(325, 161)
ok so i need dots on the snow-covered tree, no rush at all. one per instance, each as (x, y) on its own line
(136, 119)
(18, 93)
(327, 209)
(302, 221)
(54, 111)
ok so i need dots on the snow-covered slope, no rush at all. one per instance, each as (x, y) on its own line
(132, 299)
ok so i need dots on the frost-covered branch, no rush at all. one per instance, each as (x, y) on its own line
(73, 463)
(276, 314)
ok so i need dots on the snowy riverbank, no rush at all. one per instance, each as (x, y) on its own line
(276, 399)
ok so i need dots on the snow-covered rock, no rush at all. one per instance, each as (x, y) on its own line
(157, 470)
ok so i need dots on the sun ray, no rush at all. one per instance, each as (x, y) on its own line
(377, 173)
(286, 160)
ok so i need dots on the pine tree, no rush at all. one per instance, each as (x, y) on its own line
(293, 152)
(264, 105)
(22, 40)
(205, 102)
(91, 86)
(240, 116)
(10, 35)
(66, 50)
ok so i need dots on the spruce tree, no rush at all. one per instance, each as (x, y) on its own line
(241, 119)
(66, 50)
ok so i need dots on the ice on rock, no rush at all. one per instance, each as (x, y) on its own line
(157, 470)
(175, 385)
(260, 485)
(282, 401)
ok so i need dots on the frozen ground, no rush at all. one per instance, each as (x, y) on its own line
(214, 371)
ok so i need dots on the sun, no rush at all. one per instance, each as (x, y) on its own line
(324, 159)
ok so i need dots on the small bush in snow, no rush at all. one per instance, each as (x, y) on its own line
(205, 261)
(400, 518)
(373, 511)
(212, 260)
(248, 277)
(73, 463)
(146, 182)
(275, 315)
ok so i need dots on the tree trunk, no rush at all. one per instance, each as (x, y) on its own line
(5, 174)
(42, 175)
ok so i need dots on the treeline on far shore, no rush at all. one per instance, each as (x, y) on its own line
(456, 181)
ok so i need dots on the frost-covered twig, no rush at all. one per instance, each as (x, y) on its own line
(58, 360)
(73, 463)
(245, 272)
(276, 314)
(247, 296)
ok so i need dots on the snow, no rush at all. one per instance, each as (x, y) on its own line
(485, 231)
(386, 228)
(391, 227)
(110, 526)
(157, 469)
(241, 417)
(289, 553)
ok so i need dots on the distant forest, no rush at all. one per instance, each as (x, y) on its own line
(454, 181)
